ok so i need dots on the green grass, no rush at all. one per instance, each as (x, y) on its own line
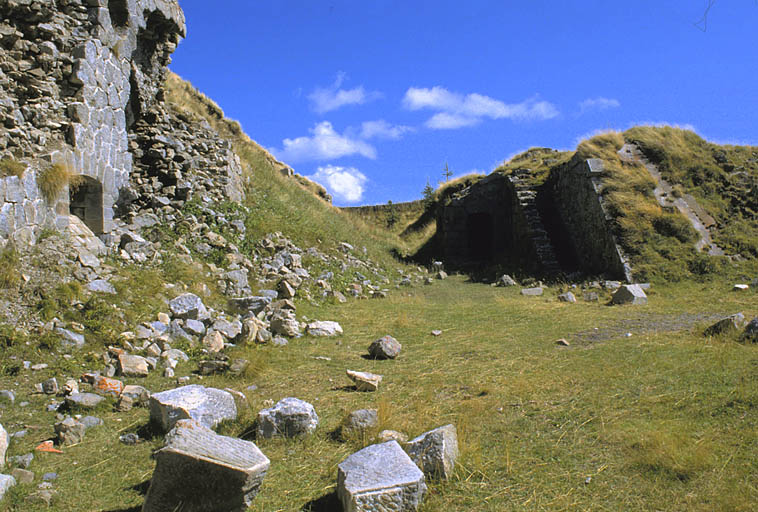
(656, 421)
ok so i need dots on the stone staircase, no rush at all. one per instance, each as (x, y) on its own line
(526, 195)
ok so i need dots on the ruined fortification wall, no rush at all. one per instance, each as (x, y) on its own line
(75, 75)
(577, 189)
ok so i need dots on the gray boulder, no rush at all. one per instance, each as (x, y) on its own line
(254, 304)
(364, 381)
(360, 421)
(207, 406)
(751, 331)
(435, 452)
(4, 440)
(70, 431)
(6, 482)
(132, 366)
(380, 477)
(385, 347)
(629, 294)
(506, 280)
(324, 328)
(732, 323)
(101, 286)
(200, 471)
(84, 400)
(188, 305)
(567, 297)
(290, 417)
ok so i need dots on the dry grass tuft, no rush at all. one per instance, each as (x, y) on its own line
(54, 179)
(9, 271)
(11, 167)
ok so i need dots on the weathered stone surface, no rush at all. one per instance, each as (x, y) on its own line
(365, 381)
(133, 366)
(290, 417)
(567, 297)
(84, 400)
(360, 420)
(751, 331)
(208, 406)
(391, 435)
(532, 292)
(630, 294)
(23, 476)
(253, 304)
(200, 471)
(107, 386)
(6, 482)
(3, 445)
(188, 305)
(379, 478)
(324, 328)
(101, 286)
(505, 280)
(70, 431)
(732, 323)
(213, 342)
(435, 452)
(385, 347)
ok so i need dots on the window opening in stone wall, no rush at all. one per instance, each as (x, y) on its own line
(479, 227)
(119, 13)
(86, 202)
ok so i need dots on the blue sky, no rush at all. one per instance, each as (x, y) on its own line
(371, 98)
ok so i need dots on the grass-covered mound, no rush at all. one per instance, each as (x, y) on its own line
(278, 201)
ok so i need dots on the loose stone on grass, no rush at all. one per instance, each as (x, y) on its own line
(385, 347)
(630, 294)
(532, 292)
(435, 452)
(290, 417)
(360, 421)
(730, 324)
(380, 477)
(199, 471)
(324, 328)
(84, 400)
(4, 440)
(567, 297)
(208, 406)
(365, 381)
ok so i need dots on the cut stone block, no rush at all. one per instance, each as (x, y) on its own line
(200, 471)
(380, 477)
(532, 292)
(324, 328)
(208, 406)
(365, 381)
(435, 452)
(386, 347)
(133, 366)
(290, 417)
(732, 323)
(630, 294)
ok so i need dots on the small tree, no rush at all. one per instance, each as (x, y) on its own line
(428, 194)
(447, 173)
(391, 214)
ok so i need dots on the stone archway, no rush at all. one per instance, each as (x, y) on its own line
(480, 233)
(86, 202)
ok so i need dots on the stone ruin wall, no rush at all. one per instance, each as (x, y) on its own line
(81, 85)
(577, 189)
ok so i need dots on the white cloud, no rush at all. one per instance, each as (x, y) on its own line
(598, 103)
(383, 130)
(345, 183)
(323, 144)
(457, 111)
(331, 98)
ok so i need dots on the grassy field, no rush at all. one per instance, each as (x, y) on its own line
(660, 420)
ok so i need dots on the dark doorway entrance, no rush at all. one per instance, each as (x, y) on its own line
(86, 202)
(480, 231)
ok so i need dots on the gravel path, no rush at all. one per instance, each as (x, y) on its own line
(646, 324)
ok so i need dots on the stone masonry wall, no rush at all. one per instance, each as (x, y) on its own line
(75, 76)
(577, 189)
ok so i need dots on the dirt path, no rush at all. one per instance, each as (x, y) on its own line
(645, 324)
(700, 219)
